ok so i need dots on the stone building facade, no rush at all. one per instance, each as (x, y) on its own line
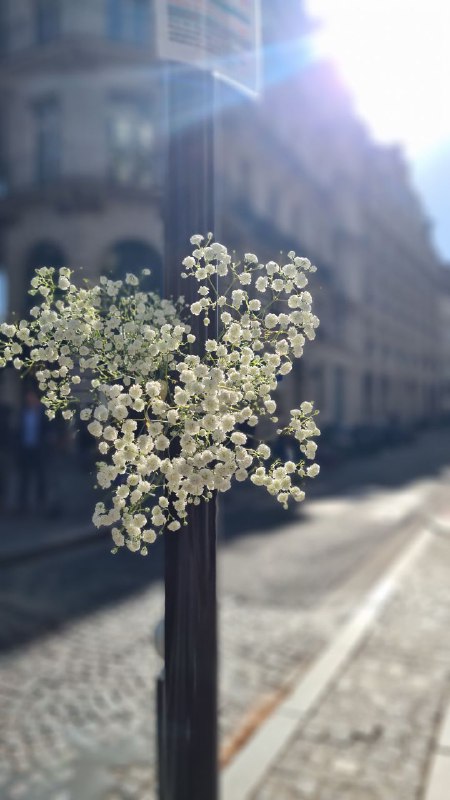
(81, 183)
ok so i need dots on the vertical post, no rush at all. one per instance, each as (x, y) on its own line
(190, 677)
(160, 734)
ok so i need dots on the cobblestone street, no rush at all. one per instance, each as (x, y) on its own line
(77, 702)
(79, 708)
(372, 736)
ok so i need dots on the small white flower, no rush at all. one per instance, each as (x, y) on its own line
(285, 368)
(117, 537)
(95, 428)
(261, 284)
(263, 450)
(196, 308)
(310, 449)
(118, 341)
(313, 470)
(271, 320)
(237, 297)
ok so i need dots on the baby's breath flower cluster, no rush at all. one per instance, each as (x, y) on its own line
(168, 421)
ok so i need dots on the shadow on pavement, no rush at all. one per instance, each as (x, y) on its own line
(249, 509)
(42, 593)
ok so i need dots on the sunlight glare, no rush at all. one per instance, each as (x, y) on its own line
(394, 57)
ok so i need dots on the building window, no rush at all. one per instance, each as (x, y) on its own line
(367, 396)
(48, 140)
(4, 162)
(128, 20)
(4, 31)
(4, 293)
(244, 179)
(273, 197)
(318, 386)
(339, 395)
(47, 20)
(296, 217)
(131, 142)
(339, 323)
(4, 179)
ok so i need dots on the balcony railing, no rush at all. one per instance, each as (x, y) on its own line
(69, 193)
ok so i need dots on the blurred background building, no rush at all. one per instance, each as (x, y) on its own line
(81, 184)
(445, 339)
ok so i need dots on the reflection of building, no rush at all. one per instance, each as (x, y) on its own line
(81, 180)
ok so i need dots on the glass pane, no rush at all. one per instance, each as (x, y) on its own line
(48, 20)
(140, 22)
(115, 19)
(48, 140)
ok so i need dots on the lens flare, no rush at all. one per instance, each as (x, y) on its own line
(394, 56)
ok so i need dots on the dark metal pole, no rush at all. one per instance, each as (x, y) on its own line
(190, 677)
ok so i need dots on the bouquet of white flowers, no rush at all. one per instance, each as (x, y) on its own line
(168, 421)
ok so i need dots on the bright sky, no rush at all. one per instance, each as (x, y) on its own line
(395, 57)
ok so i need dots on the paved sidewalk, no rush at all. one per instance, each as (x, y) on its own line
(82, 728)
(374, 735)
(77, 706)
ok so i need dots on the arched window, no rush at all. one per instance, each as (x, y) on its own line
(133, 255)
(47, 113)
(45, 254)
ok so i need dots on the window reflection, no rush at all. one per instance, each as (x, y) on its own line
(48, 139)
(131, 142)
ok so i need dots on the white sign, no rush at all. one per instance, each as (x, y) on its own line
(222, 36)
